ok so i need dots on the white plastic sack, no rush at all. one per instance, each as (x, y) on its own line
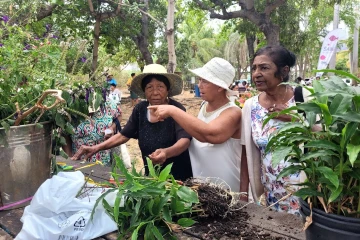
(125, 156)
(56, 213)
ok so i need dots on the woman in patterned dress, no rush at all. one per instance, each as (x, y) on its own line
(271, 67)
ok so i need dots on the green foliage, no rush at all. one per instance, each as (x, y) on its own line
(150, 206)
(332, 162)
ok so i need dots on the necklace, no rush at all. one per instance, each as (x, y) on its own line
(271, 109)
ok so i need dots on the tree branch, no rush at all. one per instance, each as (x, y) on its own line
(91, 7)
(46, 11)
(118, 7)
(271, 7)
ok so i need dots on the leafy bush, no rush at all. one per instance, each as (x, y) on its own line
(332, 162)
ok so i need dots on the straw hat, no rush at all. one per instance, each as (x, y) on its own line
(217, 71)
(176, 83)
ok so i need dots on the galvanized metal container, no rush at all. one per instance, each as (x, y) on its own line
(25, 161)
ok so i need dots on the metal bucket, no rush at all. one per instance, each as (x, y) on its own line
(25, 161)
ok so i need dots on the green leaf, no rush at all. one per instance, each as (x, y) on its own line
(356, 100)
(69, 128)
(158, 205)
(316, 154)
(186, 222)
(290, 170)
(134, 235)
(120, 164)
(148, 233)
(329, 174)
(335, 194)
(307, 192)
(136, 187)
(5, 125)
(67, 97)
(347, 132)
(165, 172)
(326, 113)
(309, 107)
(295, 127)
(176, 205)
(156, 233)
(279, 154)
(166, 214)
(349, 117)
(62, 141)
(340, 104)
(352, 152)
(39, 125)
(151, 168)
(187, 194)
(137, 206)
(63, 154)
(60, 121)
(117, 206)
(324, 144)
(99, 199)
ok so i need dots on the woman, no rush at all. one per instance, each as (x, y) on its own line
(270, 68)
(163, 142)
(215, 149)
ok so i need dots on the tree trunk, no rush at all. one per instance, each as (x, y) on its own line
(141, 40)
(271, 32)
(170, 36)
(96, 44)
(250, 39)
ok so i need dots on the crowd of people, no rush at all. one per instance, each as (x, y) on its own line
(224, 144)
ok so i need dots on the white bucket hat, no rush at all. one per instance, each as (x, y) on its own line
(217, 71)
(176, 83)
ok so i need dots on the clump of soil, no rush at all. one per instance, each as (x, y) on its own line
(214, 201)
(232, 226)
(223, 215)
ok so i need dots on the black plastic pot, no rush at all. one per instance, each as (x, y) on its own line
(327, 226)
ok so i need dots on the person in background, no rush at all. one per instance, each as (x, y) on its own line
(270, 68)
(115, 93)
(215, 149)
(243, 87)
(163, 142)
(298, 80)
(134, 98)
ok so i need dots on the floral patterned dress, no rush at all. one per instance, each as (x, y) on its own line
(275, 189)
(89, 134)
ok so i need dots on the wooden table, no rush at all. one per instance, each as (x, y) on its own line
(270, 222)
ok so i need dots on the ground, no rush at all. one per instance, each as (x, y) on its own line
(188, 99)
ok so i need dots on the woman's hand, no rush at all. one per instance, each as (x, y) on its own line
(158, 157)
(162, 111)
(88, 151)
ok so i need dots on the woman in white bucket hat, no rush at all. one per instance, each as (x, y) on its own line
(215, 150)
(163, 142)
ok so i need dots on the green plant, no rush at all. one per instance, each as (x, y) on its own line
(29, 66)
(332, 161)
(154, 206)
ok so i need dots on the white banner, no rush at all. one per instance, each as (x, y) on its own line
(329, 48)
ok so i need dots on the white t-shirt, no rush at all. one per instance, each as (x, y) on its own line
(218, 163)
(115, 96)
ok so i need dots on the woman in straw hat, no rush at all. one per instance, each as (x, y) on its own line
(215, 150)
(163, 142)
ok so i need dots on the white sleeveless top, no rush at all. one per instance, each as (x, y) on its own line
(218, 163)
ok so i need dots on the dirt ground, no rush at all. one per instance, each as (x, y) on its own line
(188, 99)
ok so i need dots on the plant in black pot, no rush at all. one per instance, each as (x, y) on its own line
(329, 156)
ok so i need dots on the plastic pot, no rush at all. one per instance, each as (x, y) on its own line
(327, 226)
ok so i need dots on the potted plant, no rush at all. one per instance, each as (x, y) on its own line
(330, 197)
(39, 99)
